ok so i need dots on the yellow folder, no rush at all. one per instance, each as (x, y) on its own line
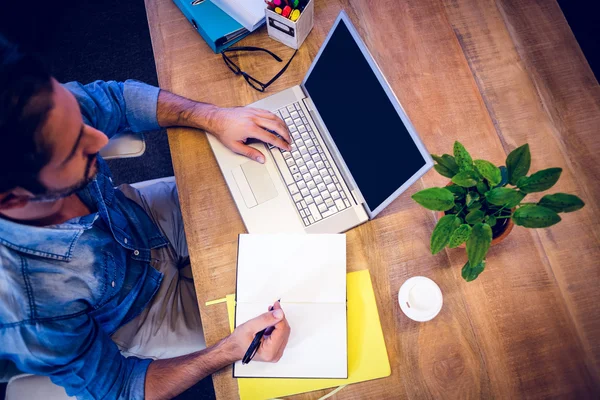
(367, 355)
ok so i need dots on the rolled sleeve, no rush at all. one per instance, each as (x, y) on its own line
(113, 107)
(141, 101)
(79, 356)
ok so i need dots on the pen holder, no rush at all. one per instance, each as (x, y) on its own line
(291, 33)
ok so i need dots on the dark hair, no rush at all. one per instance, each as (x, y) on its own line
(25, 101)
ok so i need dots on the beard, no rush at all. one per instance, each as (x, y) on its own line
(53, 195)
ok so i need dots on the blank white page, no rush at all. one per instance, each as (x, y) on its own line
(296, 268)
(308, 274)
(317, 346)
(249, 13)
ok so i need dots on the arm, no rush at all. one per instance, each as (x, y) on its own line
(231, 126)
(168, 378)
(77, 355)
(113, 107)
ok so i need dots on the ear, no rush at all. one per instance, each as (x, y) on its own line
(15, 198)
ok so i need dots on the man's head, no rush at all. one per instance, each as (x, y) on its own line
(46, 150)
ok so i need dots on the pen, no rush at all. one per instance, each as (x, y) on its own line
(256, 342)
(286, 11)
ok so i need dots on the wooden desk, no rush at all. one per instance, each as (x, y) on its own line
(492, 74)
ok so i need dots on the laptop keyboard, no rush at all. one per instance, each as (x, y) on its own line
(313, 184)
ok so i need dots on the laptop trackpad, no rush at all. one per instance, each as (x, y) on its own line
(255, 183)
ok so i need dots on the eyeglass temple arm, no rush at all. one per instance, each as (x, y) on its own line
(281, 72)
(250, 48)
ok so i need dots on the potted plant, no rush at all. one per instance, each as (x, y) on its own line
(479, 209)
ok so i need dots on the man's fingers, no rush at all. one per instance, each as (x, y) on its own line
(275, 306)
(268, 137)
(275, 125)
(276, 343)
(247, 151)
(265, 320)
(265, 113)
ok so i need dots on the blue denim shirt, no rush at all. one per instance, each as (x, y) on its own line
(65, 289)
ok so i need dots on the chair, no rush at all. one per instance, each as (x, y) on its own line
(27, 386)
(124, 145)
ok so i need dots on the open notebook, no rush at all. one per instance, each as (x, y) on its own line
(308, 274)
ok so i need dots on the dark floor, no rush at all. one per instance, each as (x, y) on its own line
(87, 40)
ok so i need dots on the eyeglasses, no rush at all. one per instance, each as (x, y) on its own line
(255, 83)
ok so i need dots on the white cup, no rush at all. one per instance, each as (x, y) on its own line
(420, 298)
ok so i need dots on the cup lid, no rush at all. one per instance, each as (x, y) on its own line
(420, 298)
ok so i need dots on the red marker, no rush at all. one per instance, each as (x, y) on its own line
(286, 11)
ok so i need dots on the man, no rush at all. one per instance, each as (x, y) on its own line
(90, 274)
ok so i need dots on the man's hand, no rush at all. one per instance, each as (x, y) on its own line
(234, 126)
(169, 377)
(272, 345)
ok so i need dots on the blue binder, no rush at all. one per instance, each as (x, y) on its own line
(217, 28)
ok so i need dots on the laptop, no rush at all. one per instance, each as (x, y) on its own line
(354, 149)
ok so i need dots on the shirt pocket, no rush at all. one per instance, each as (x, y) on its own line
(113, 277)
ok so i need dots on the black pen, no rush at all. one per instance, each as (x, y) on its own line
(251, 352)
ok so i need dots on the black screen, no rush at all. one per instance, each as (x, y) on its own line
(370, 135)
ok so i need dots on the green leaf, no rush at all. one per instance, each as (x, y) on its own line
(463, 158)
(482, 187)
(504, 175)
(471, 273)
(443, 171)
(441, 234)
(465, 179)
(491, 220)
(437, 199)
(504, 197)
(489, 171)
(459, 236)
(447, 164)
(479, 243)
(534, 216)
(471, 198)
(474, 206)
(540, 181)
(518, 163)
(474, 217)
(458, 191)
(561, 202)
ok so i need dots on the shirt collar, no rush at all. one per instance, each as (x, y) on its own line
(54, 242)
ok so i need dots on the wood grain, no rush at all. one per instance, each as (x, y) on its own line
(491, 74)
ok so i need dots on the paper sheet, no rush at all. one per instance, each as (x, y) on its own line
(316, 347)
(367, 355)
(308, 274)
(249, 13)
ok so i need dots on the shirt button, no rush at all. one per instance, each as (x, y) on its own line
(136, 252)
(125, 240)
(112, 284)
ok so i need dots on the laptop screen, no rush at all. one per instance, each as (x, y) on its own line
(362, 120)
